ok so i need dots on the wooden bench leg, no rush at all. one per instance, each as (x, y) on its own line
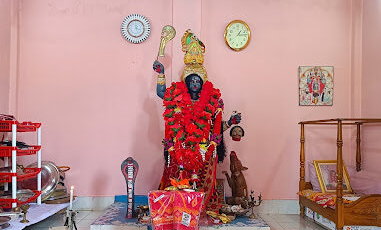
(301, 210)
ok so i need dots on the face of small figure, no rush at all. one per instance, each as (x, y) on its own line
(237, 133)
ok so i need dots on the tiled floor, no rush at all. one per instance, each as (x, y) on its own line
(84, 219)
(288, 222)
(276, 221)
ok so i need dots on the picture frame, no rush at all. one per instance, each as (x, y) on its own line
(326, 173)
(316, 85)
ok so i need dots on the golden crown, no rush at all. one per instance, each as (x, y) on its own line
(194, 56)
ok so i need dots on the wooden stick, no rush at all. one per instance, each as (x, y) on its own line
(339, 188)
(322, 123)
(371, 121)
(325, 120)
(358, 149)
(302, 182)
(302, 159)
(362, 119)
(351, 120)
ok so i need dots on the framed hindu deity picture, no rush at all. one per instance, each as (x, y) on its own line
(315, 85)
(326, 173)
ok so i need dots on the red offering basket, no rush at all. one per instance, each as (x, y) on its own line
(7, 202)
(6, 126)
(6, 151)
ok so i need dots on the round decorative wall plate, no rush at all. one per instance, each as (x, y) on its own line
(135, 28)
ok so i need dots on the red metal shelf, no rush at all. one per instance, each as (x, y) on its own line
(28, 173)
(6, 126)
(6, 151)
(7, 202)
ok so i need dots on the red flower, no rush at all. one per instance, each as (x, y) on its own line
(178, 98)
(189, 127)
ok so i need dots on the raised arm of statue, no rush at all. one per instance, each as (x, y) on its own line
(235, 119)
(160, 87)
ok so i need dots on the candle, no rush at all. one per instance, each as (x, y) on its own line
(71, 197)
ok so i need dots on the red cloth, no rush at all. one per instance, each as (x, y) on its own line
(175, 209)
(207, 176)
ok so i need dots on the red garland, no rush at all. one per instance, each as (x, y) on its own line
(188, 123)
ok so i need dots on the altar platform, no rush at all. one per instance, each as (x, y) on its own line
(114, 219)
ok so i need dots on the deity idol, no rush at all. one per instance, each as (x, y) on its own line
(193, 143)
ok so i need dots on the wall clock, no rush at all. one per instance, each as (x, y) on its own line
(237, 35)
(135, 28)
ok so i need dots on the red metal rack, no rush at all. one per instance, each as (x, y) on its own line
(28, 173)
(6, 126)
(13, 152)
(7, 202)
(6, 151)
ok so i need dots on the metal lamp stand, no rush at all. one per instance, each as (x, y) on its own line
(70, 219)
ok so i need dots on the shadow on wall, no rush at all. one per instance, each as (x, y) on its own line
(100, 181)
(148, 127)
(280, 161)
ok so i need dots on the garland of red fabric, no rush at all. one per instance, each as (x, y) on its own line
(188, 123)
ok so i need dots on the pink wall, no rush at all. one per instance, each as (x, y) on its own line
(95, 93)
(371, 84)
(5, 27)
(261, 81)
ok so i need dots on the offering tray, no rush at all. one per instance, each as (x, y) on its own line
(50, 175)
(4, 219)
(12, 215)
(4, 222)
(234, 210)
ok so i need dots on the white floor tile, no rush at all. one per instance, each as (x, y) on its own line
(267, 217)
(295, 225)
(82, 214)
(275, 221)
(94, 215)
(274, 226)
(83, 228)
(85, 223)
(284, 218)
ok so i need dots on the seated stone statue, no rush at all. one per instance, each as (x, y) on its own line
(193, 143)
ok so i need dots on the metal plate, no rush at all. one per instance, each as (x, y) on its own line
(49, 179)
(22, 195)
(13, 215)
(4, 219)
(4, 226)
(58, 193)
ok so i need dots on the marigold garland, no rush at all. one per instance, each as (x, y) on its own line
(188, 123)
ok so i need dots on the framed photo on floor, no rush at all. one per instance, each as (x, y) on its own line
(326, 173)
